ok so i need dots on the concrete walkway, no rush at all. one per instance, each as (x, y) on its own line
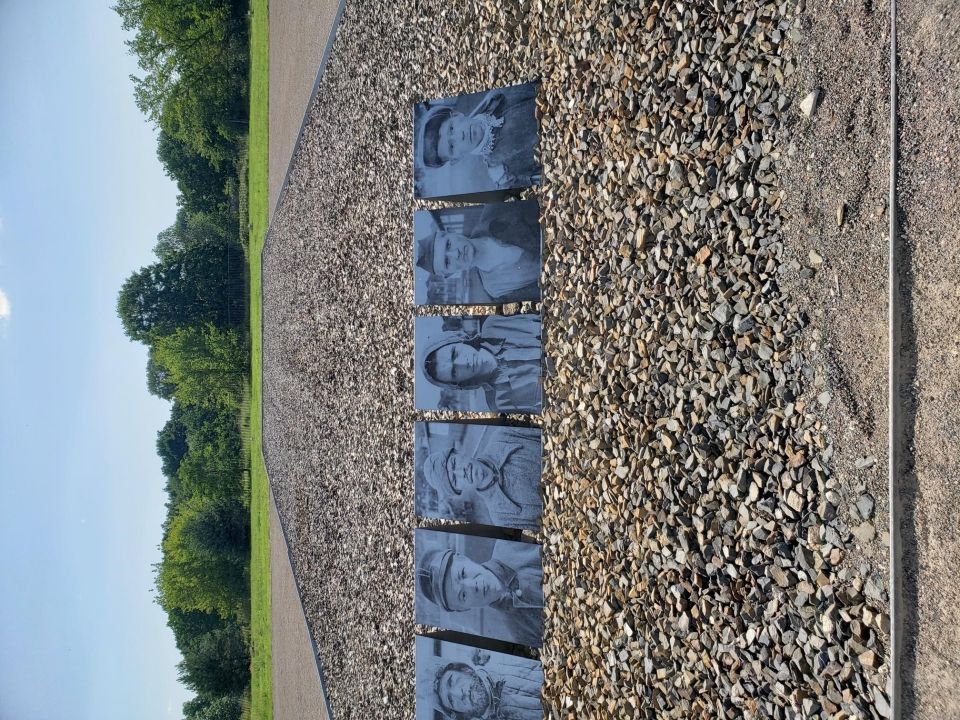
(299, 31)
(297, 691)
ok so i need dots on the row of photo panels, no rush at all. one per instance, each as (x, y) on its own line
(480, 473)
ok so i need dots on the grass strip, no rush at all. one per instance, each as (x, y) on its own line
(261, 682)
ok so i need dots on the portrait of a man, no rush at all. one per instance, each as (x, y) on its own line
(481, 586)
(478, 473)
(474, 143)
(481, 363)
(482, 254)
(460, 682)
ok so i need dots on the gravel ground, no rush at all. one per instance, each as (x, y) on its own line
(713, 417)
(930, 205)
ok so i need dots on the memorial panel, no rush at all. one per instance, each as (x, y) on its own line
(476, 255)
(478, 585)
(476, 143)
(467, 683)
(479, 363)
(478, 473)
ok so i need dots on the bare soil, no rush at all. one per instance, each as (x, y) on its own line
(839, 162)
(929, 68)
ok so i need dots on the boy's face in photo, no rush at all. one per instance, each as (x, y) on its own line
(458, 136)
(469, 584)
(460, 363)
(452, 252)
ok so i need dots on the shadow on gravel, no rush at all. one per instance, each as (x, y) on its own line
(908, 484)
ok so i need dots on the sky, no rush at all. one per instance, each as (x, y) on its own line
(82, 198)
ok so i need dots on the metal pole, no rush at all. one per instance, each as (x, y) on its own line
(895, 428)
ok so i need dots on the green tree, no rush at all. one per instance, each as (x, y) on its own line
(216, 663)
(193, 286)
(172, 441)
(191, 229)
(201, 185)
(193, 54)
(189, 578)
(218, 528)
(226, 707)
(206, 364)
(187, 625)
(158, 379)
(192, 708)
(208, 472)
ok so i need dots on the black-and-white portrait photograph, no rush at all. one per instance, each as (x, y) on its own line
(461, 682)
(481, 586)
(478, 363)
(477, 473)
(474, 143)
(476, 255)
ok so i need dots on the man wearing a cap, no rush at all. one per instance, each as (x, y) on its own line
(501, 131)
(498, 484)
(508, 691)
(502, 359)
(509, 585)
(503, 251)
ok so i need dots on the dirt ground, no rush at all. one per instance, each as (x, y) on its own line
(298, 35)
(839, 159)
(929, 57)
(297, 693)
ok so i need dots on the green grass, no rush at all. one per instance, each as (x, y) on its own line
(261, 682)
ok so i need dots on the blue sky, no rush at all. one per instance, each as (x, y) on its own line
(82, 198)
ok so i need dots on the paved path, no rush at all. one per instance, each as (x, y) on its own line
(299, 30)
(297, 693)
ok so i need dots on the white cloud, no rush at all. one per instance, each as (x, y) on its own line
(4, 306)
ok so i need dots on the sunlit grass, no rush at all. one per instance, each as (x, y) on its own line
(261, 683)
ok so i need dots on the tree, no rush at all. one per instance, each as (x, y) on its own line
(200, 183)
(226, 707)
(218, 528)
(193, 286)
(191, 229)
(193, 708)
(172, 442)
(158, 379)
(187, 625)
(207, 365)
(216, 663)
(194, 57)
(193, 577)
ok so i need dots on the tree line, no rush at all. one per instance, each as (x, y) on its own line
(189, 308)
